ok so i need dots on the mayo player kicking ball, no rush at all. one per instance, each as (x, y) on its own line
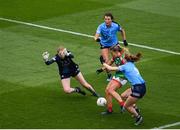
(68, 69)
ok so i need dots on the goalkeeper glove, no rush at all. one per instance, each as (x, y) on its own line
(45, 56)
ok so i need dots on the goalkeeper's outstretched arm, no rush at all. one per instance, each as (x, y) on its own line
(45, 56)
(48, 62)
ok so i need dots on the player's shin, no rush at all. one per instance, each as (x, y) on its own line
(109, 109)
(109, 102)
(91, 90)
(132, 110)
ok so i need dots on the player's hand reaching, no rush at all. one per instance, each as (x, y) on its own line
(45, 56)
(98, 39)
(102, 59)
(98, 71)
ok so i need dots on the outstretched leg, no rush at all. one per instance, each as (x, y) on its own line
(67, 87)
(125, 95)
(109, 101)
(85, 84)
(111, 89)
(129, 105)
(111, 92)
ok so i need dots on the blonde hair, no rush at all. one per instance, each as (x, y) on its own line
(60, 48)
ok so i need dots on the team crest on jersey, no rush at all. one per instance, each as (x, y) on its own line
(118, 61)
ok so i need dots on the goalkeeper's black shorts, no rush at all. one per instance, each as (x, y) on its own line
(73, 72)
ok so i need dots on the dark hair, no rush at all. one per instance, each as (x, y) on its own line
(109, 15)
(133, 58)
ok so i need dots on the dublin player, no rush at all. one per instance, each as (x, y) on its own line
(138, 88)
(67, 69)
(106, 35)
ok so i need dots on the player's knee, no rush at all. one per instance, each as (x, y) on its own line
(123, 96)
(110, 90)
(106, 91)
(67, 90)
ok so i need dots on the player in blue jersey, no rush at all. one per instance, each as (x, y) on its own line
(106, 35)
(138, 88)
(67, 69)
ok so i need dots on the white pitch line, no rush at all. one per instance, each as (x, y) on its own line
(84, 35)
(167, 126)
(44, 27)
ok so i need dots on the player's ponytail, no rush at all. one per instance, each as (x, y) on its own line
(133, 58)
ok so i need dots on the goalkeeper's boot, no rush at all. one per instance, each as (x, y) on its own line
(139, 120)
(78, 90)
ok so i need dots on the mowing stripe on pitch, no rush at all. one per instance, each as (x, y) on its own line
(166, 126)
(84, 35)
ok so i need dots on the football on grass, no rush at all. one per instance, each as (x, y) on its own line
(101, 101)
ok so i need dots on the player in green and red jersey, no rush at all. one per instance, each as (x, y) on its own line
(118, 80)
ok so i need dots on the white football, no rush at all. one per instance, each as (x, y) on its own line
(101, 101)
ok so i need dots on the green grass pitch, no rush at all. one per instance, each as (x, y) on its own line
(30, 93)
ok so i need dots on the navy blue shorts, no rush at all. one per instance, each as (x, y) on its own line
(138, 90)
(103, 47)
(74, 71)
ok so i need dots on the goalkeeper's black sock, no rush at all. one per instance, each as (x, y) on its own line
(93, 92)
(78, 90)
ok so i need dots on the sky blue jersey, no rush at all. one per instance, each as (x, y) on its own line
(131, 73)
(108, 34)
